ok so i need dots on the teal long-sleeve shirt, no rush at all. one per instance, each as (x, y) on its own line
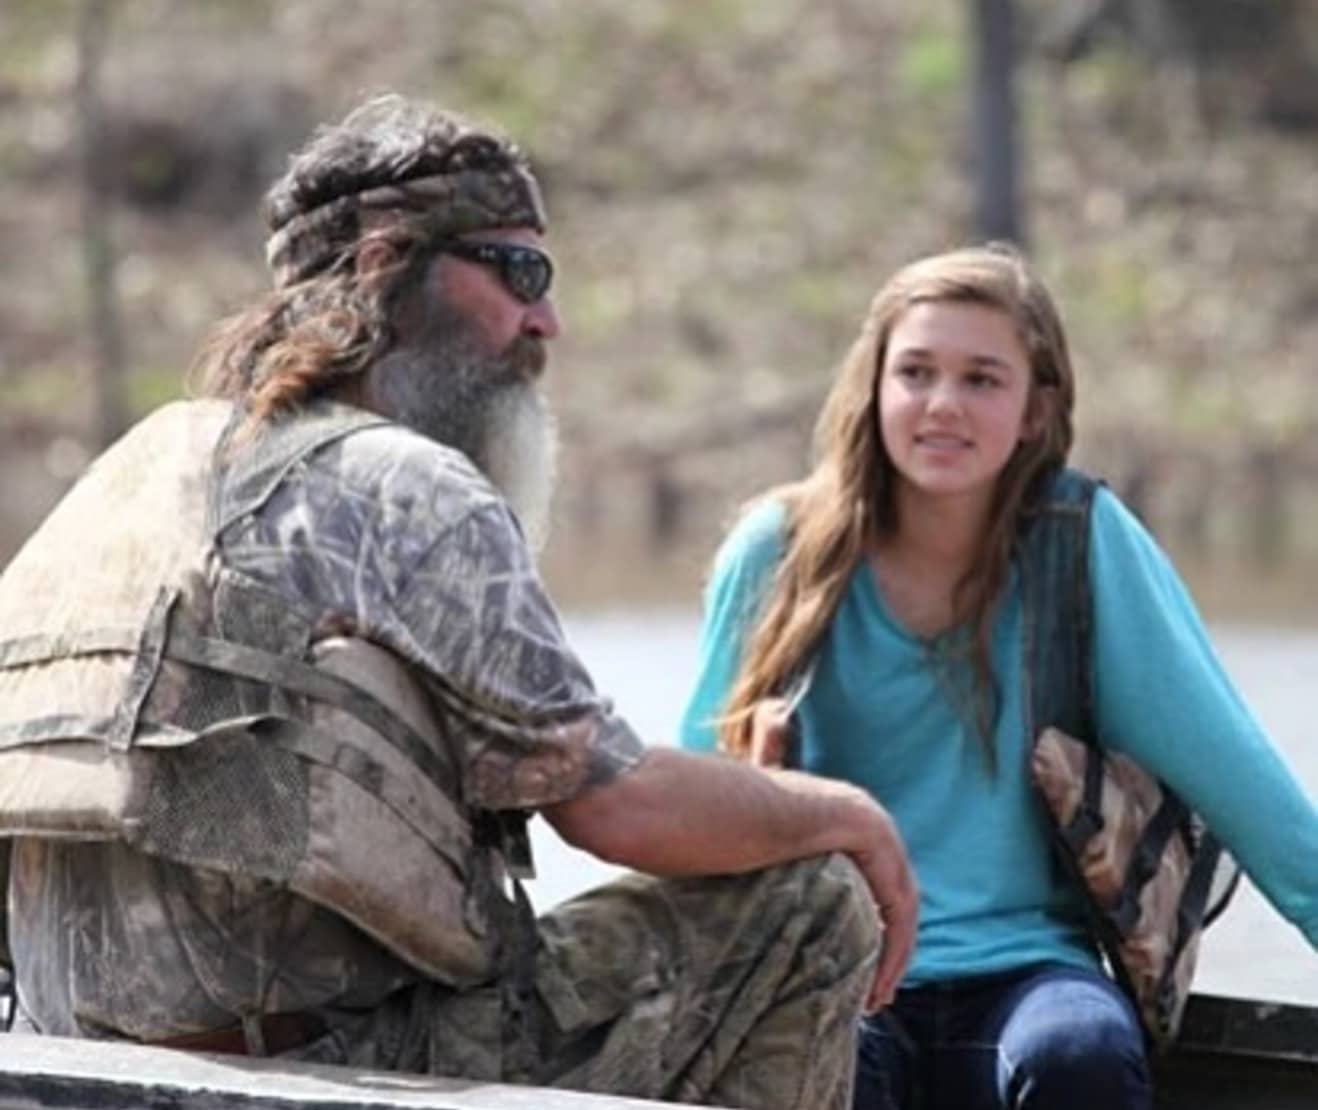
(877, 715)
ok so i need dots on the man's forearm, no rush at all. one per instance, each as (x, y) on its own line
(683, 814)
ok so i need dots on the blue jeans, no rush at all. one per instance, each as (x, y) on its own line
(1048, 1037)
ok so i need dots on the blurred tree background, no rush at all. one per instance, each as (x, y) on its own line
(729, 181)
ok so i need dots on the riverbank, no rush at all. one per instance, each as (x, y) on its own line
(585, 576)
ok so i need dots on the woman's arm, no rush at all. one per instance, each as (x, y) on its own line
(742, 571)
(1163, 696)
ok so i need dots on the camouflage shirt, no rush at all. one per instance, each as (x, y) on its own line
(385, 534)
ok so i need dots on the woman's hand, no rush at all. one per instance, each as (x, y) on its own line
(771, 730)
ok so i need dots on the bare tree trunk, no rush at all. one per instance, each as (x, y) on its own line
(1269, 535)
(998, 210)
(107, 416)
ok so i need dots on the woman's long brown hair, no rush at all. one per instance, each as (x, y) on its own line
(846, 501)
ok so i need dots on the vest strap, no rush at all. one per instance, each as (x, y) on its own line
(23, 651)
(60, 727)
(146, 665)
(240, 660)
(322, 748)
(303, 678)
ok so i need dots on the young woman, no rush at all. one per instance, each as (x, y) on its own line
(881, 601)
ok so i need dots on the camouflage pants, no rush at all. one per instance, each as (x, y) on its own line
(737, 991)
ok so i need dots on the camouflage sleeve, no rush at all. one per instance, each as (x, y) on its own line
(530, 728)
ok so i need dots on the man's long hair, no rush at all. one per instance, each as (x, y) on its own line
(325, 323)
(847, 499)
(295, 343)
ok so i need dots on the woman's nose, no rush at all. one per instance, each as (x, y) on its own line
(944, 396)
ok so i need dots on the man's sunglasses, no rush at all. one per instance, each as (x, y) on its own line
(526, 272)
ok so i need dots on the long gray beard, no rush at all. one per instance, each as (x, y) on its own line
(484, 406)
(521, 456)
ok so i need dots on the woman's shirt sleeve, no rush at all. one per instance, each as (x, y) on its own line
(1163, 697)
(743, 570)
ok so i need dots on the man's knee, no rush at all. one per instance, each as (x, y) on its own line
(820, 905)
(832, 893)
(864, 933)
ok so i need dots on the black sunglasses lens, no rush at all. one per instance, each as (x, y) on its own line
(527, 273)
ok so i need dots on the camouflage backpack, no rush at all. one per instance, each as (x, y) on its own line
(1151, 874)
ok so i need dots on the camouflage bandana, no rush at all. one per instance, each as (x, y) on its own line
(471, 193)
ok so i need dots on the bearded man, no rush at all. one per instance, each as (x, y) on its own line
(280, 686)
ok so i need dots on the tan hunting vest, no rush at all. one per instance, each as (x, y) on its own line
(150, 694)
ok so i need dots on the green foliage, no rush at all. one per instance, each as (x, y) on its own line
(41, 390)
(729, 182)
(934, 64)
(815, 295)
(30, 30)
(693, 25)
(148, 387)
(601, 305)
(1119, 286)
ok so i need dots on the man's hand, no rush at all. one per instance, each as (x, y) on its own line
(884, 866)
(682, 814)
(897, 902)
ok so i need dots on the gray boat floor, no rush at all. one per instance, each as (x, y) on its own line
(1233, 1054)
(77, 1074)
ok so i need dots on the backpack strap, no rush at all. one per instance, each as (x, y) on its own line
(1053, 556)
(1058, 627)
